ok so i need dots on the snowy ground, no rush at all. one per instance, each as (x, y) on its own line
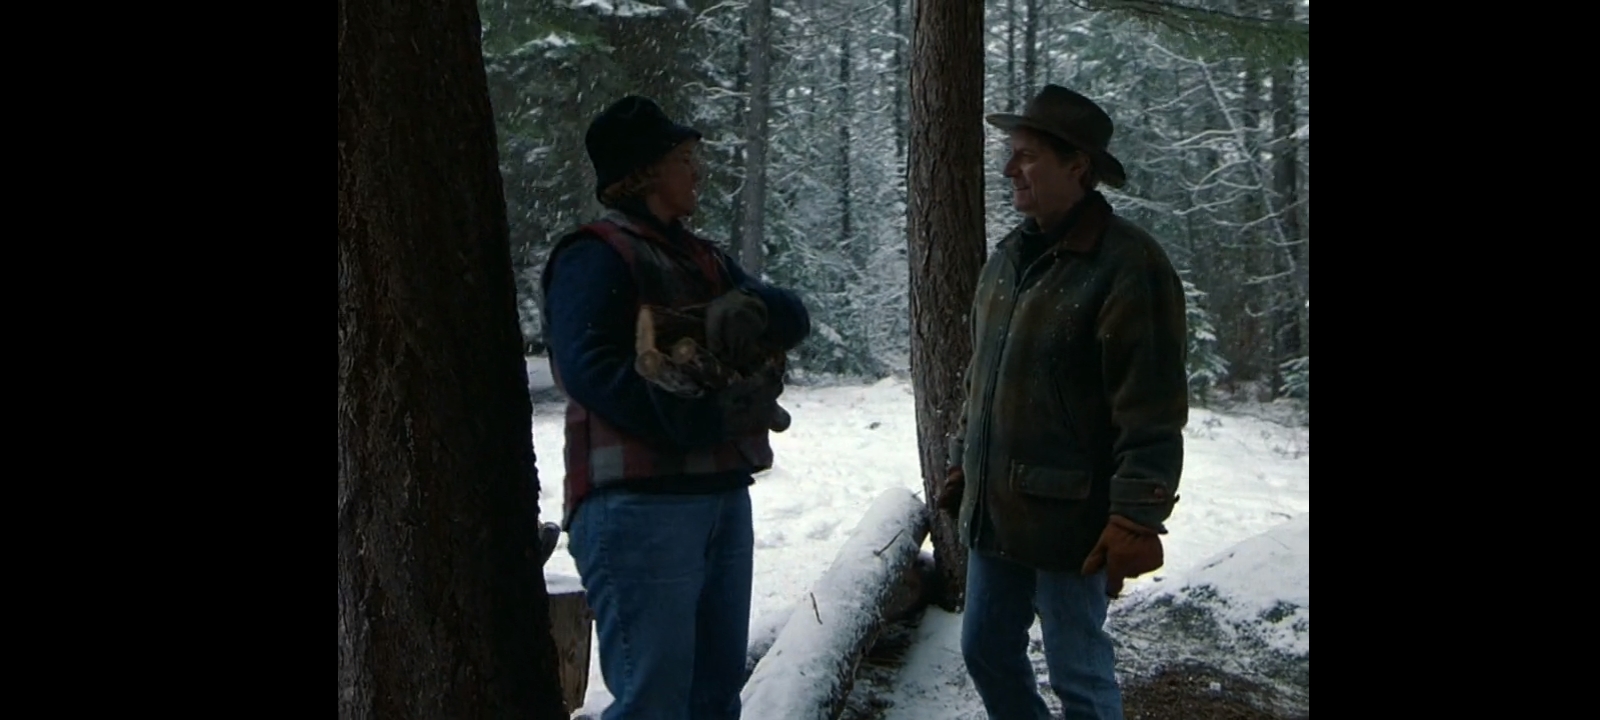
(1242, 477)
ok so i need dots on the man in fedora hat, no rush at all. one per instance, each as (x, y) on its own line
(657, 502)
(1068, 452)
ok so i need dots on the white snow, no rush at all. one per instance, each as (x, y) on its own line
(539, 378)
(621, 8)
(553, 40)
(1258, 592)
(1283, 555)
(561, 583)
(850, 443)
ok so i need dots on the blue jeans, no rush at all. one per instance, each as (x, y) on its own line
(668, 579)
(1002, 598)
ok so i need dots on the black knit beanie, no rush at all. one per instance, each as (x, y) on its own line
(629, 135)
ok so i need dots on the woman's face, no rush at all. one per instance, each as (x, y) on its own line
(678, 176)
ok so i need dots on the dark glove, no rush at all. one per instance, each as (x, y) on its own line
(1126, 549)
(749, 406)
(734, 321)
(955, 485)
(549, 533)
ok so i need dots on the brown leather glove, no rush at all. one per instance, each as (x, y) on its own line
(1126, 549)
(734, 321)
(955, 484)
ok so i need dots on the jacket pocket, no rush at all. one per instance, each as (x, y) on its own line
(1054, 483)
(1063, 400)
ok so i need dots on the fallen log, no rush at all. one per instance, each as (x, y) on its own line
(909, 597)
(763, 633)
(808, 672)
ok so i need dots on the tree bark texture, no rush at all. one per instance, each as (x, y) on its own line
(1013, 92)
(846, 231)
(1285, 172)
(751, 245)
(1031, 56)
(945, 228)
(899, 84)
(739, 87)
(441, 613)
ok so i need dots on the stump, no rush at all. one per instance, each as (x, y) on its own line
(571, 625)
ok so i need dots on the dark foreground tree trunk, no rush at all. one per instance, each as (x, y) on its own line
(946, 229)
(441, 615)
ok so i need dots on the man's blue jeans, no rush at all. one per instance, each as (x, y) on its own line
(668, 579)
(1002, 599)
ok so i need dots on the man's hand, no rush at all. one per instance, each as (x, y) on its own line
(955, 485)
(734, 321)
(1126, 549)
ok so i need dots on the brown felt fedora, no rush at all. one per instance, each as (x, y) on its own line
(1073, 118)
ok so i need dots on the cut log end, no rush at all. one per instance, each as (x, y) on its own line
(649, 363)
(684, 351)
(645, 331)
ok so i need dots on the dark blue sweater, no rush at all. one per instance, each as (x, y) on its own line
(591, 310)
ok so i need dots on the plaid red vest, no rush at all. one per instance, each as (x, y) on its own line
(599, 454)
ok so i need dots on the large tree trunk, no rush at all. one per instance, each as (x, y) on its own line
(1259, 252)
(441, 613)
(743, 79)
(945, 229)
(751, 244)
(856, 252)
(1031, 51)
(899, 85)
(1013, 91)
(1285, 171)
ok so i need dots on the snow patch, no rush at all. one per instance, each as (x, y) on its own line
(1260, 586)
(539, 375)
(621, 8)
(764, 632)
(556, 583)
(1245, 610)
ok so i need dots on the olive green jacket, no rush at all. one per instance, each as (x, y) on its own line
(1076, 394)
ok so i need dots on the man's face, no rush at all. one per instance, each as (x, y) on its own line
(1043, 185)
(677, 176)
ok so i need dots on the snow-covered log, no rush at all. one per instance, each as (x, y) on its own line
(808, 671)
(763, 633)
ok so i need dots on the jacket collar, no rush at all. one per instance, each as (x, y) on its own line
(1080, 231)
(634, 215)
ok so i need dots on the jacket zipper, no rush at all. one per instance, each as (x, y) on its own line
(1018, 276)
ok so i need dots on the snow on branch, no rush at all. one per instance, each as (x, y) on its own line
(1177, 13)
